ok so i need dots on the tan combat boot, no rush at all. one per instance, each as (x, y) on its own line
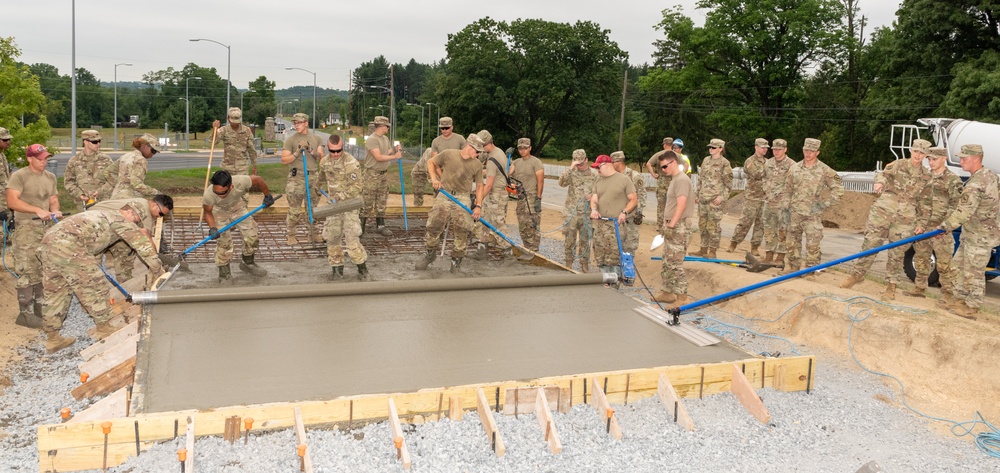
(682, 299)
(701, 253)
(755, 249)
(916, 292)
(960, 309)
(55, 342)
(102, 331)
(292, 240)
(890, 292)
(732, 246)
(585, 266)
(779, 259)
(711, 254)
(664, 296)
(768, 257)
(789, 269)
(851, 281)
(946, 298)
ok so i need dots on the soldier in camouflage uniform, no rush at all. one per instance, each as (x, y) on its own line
(455, 171)
(239, 155)
(715, 182)
(630, 240)
(673, 227)
(301, 141)
(530, 171)
(811, 187)
(753, 202)
(379, 153)
(613, 198)
(935, 202)
(977, 215)
(494, 199)
(775, 203)
(662, 180)
(126, 177)
(224, 202)
(579, 181)
(71, 265)
(4, 171)
(34, 199)
(120, 256)
(342, 174)
(82, 177)
(893, 216)
(418, 178)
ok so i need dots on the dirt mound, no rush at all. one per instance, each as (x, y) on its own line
(851, 213)
(11, 336)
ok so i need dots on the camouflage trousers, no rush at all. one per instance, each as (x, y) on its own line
(529, 220)
(66, 273)
(374, 192)
(605, 243)
(248, 230)
(495, 212)
(812, 227)
(295, 194)
(26, 243)
(443, 213)
(341, 231)
(240, 167)
(966, 270)
(662, 185)
(775, 228)
(709, 223)
(418, 183)
(121, 258)
(880, 229)
(753, 215)
(675, 242)
(578, 233)
(943, 247)
(630, 240)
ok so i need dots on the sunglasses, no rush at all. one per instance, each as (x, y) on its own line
(152, 150)
(5, 140)
(223, 192)
(714, 147)
(664, 166)
(96, 142)
(335, 151)
(446, 128)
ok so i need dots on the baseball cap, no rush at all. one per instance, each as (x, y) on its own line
(579, 156)
(679, 142)
(380, 120)
(444, 122)
(90, 135)
(299, 117)
(779, 144)
(602, 159)
(761, 142)
(38, 151)
(971, 150)
(811, 144)
(716, 143)
(524, 142)
(475, 141)
(618, 156)
(236, 115)
(4, 134)
(486, 136)
(153, 141)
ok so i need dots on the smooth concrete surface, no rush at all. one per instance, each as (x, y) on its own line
(215, 354)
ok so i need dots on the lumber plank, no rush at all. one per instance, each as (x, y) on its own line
(778, 378)
(157, 232)
(745, 393)
(455, 408)
(112, 380)
(604, 411)
(112, 357)
(111, 407)
(489, 423)
(189, 445)
(522, 400)
(397, 433)
(111, 341)
(300, 434)
(547, 423)
(673, 403)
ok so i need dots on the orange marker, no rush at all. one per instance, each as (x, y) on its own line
(64, 412)
(106, 428)
(399, 447)
(182, 456)
(301, 449)
(247, 424)
(610, 413)
(84, 377)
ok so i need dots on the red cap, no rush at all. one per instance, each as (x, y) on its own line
(601, 160)
(37, 151)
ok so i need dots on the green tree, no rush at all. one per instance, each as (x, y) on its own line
(20, 96)
(259, 101)
(975, 90)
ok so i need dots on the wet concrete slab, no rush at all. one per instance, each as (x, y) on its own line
(216, 354)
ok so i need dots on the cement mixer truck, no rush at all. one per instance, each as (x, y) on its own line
(950, 133)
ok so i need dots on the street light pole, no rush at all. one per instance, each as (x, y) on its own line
(421, 124)
(187, 111)
(229, 52)
(115, 118)
(429, 112)
(314, 90)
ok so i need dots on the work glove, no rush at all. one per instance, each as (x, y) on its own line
(213, 233)
(268, 200)
(637, 218)
(538, 206)
(3, 215)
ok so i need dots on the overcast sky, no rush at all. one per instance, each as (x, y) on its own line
(328, 37)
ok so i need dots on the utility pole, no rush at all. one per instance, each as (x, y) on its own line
(392, 107)
(621, 121)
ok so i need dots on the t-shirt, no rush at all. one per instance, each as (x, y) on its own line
(455, 141)
(524, 171)
(241, 185)
(679, 185)
(36, 189)
(500, 178)
(382, 144)
(457, 173)
(654, 162)
(295, 144)
(612, 194)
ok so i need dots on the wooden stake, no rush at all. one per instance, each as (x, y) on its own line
(668, 395)
(300, 434)
(778, 379)
(455, 408)
(208, 170)
(402, 453)
(603, 408)
(189, 445)
(489, 423)
(745, 393)
(546, 422)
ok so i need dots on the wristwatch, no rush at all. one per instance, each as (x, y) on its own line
(476, 206)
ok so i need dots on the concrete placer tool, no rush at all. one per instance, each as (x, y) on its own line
(751, 264)
(337, 207)
(625, 261)
(491, 227)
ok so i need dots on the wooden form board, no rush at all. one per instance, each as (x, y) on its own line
(111, 358)
(547, 423)
(673, 403)
(747, 396)
(300, 435)
(604, 410)
(78, 446)
(489, 423)
(111, 341)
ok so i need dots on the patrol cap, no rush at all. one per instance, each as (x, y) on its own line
(922, 146)
(153, 141)
(475, 141)
(937, 152)
(679, 143)
(4, 134)
(668, 141)
(524, 142)
(485, 136)
(236, 115)
(761, 142)
(380, 120)
(618, 156)
(90, 135)
(970, 150)
(779, 144)
(811, 144)
(602, 159)
(444, 122)
(298, 117)
(37, 151)
(579, 156)
(716, 143)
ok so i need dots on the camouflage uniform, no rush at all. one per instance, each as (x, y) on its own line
(495, 203)
(4, 177)
(775, 204)
(120, 256)
(612, 198)
(239, 155)
(457, 177)
(662, 182)
(753, 203)
(715, 179)
(26, 242)
(82, 176)
(675, 242)
(343, 179)
(977, 215)
(809, 191)
(631, 241)
(579, 184)
(375, 189)
(529, 210)
(295, 185)
(128, 176)
(227, 210)
(939, 197)
(419, 178)
(71, 263)
(893, 216)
